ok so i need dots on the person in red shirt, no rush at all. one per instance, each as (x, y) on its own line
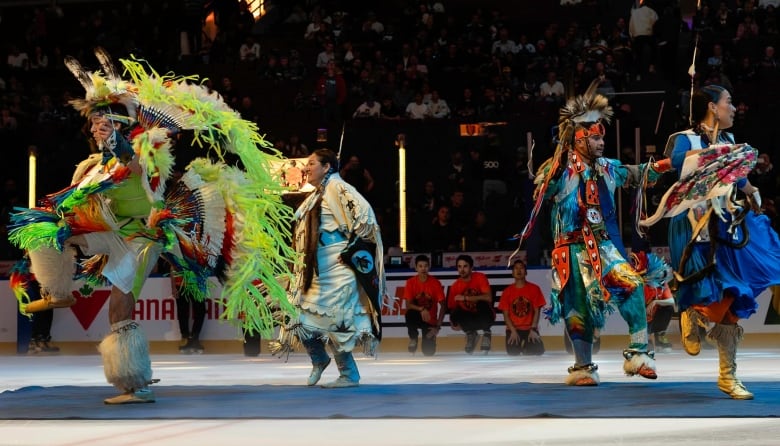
(521, 303)
(470, 304)
(424, 298)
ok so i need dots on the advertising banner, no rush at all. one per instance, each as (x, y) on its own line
(156, 310)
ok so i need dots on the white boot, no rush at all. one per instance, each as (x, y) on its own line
(727, 337)
(126, 363)
(54, 271)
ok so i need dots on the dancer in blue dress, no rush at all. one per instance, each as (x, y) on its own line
(724, 251)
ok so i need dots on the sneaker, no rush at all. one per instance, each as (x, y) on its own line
(412, 345)
(192, 346)
(41, 347)
(486, 341)
(471, 341)
(196, 347)
(429, 345)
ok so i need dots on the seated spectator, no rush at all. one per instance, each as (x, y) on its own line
(247, 109)
(271, 70)
(229, 92)
(295, 148)
(552, 90)
(425, 90)
(249, 52)
(747, 29)
(461, 211)
(715, 61)
(455, 174)
(326, 55)
(358, 176)
(47, 112)
(724, 23)
(595, 47)
(7, 120)
(40, 61)
(504, 44)
(348, 54)
(316, 29)
(428, 203)
(17, 60)
(337, 27)
(297, 68)
(452, 61)
(297, 16)
(480, 236)
(441, 234)
(418, 109)
(388, 109)
(368, 109)
(466, 108)
(438, 107)
(769, 64)
(491, 106)
(404, 95)
(372, 26)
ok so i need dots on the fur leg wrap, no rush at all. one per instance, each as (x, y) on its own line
(583, 375)
(727, 337)
(54, 271)
(125, 353)
(639, 363)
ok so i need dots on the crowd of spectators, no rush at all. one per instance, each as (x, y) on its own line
(401, 61)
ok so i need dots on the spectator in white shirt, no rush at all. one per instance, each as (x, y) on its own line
(316, 28)
(438, 107)
(368, 109)
(417, 109)
(503, 45)
(249, 50)
(372, 24)
(18, 60)
(640, 28)
(326, 55)
(552, 90)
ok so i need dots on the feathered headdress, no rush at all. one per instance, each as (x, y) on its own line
(103, 89)
(588, 108)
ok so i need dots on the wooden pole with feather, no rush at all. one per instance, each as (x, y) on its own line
(692, 70)
(341, 144)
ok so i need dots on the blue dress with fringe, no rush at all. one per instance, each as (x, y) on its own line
(742, 272)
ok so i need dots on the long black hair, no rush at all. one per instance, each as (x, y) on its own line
(701, 100)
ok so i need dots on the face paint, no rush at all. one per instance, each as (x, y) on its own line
(595, 129)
